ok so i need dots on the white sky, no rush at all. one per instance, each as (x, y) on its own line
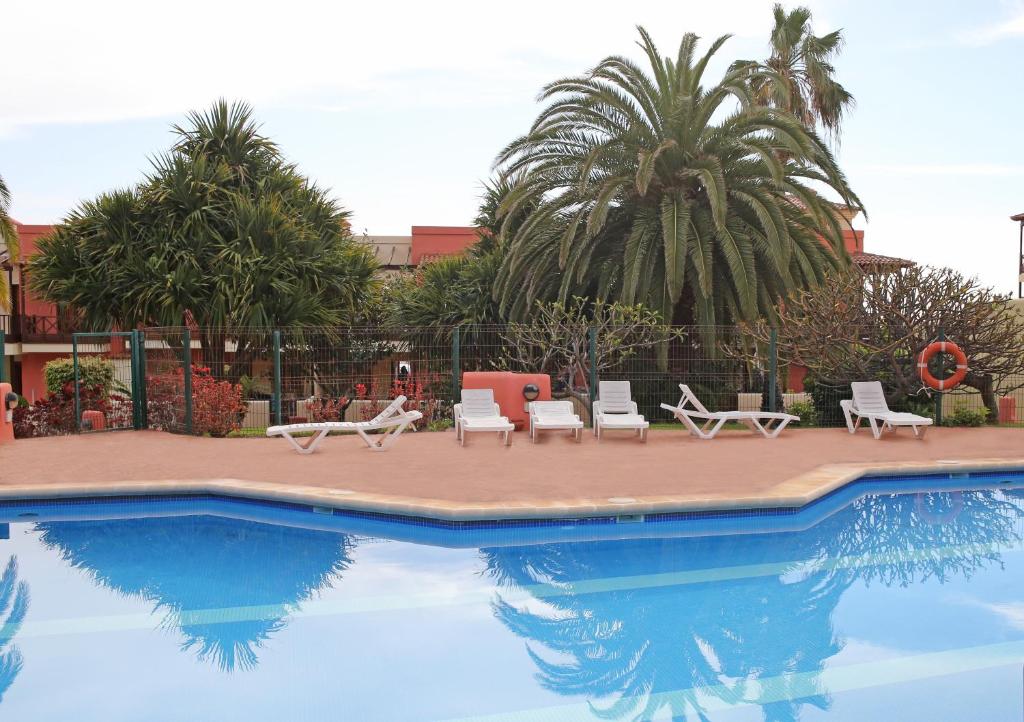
(401, 107)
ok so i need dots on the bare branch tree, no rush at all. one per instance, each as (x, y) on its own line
(557, 339)
(873, 325)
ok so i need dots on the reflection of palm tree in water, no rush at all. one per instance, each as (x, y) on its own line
(14, 601)
(740, 619)
(227, 584)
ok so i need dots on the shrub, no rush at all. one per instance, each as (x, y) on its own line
(806, 411)
(826, 398)
(165, 401)
(321, 410)
(217, 407)
(93, 372)
(55, 414)
(964, 416)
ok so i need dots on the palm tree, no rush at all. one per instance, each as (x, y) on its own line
(8, 238)
(647, 187)
(14, 601)
(227, 586)
(798, 76)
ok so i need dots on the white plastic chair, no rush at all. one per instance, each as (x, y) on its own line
(393, 420)
(869, 403)
(769, 423)
(554, 415)
(479, 412)
(615, 409)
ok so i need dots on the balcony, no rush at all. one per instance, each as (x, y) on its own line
(39, 329)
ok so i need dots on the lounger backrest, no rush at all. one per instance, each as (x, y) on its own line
(477, 403)
(690, 399)
(868, 397)
(392, 409)
(553, 408)
(614, 396)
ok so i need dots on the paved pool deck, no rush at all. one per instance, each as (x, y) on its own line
(429, 474)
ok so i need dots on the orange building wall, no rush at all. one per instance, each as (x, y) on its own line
(33, 384)
(441, 241)
(28, 237)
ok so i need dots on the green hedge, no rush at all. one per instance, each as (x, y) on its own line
(92, 371)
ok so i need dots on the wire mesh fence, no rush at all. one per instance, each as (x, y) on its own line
(239, 382)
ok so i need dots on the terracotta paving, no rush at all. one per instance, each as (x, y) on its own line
(430, 474)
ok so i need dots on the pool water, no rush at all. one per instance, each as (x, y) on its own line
(903, 604)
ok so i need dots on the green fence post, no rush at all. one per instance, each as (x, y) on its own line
(3, 357)
(456, 364)
(592, 370)
(133, 348)
(144, 392)
(186, 363)
(277, 377)
(78, 398)
(938, 394)
(773, 368)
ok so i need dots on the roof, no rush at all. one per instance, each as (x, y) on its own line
(876, 260)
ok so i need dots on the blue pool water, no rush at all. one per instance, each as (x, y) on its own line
(906, 603)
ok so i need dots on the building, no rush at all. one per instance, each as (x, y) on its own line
(34, 331)
(424, 244)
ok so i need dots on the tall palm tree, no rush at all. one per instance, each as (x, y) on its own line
(799, 76)
(8, 238)
(647, 187)
(14, 601)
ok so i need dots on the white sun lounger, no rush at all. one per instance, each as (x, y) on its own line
(551, 415)
(690, 411)
(393, 420)
(869, 403)
(615, 409)
(478, 412)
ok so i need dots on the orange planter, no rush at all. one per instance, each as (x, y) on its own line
(6, 427)
(508, 391)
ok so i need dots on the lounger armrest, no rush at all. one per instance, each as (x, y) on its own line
(848, 412)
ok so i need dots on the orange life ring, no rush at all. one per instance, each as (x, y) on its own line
(937, 347)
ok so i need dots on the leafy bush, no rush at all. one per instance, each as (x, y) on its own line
(93, 372)
(826, 398)
(217, 407)
(321, 410)
(806, 411)
(55, 414)
(964, 416)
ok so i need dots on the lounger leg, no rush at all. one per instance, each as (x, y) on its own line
(310, 446)
(875, 428)
(508, 438)
(383, 441)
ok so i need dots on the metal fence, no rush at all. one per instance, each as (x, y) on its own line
(219, 382)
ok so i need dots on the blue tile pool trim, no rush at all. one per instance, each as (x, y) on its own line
(827, 503)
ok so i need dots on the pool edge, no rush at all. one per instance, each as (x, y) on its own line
(794, 493)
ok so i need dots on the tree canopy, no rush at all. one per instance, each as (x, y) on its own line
(798, 75)
(223, 230)
(646, 186)
(8, 238)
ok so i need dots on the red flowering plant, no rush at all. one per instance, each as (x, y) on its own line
(328, 409)
(54, 414)
(418, 397)
(217, 406)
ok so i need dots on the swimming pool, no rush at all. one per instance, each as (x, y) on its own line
(903, 604)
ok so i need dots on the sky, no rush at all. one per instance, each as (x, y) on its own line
(400, 108)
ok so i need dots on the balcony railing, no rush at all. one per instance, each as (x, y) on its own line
(39, 329)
